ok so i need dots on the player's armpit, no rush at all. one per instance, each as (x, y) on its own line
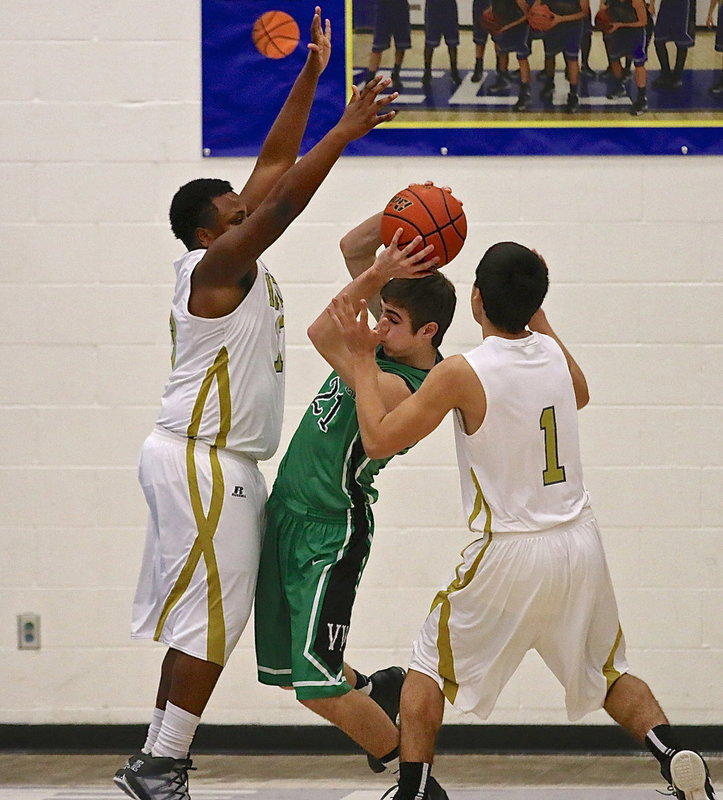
(447, 386)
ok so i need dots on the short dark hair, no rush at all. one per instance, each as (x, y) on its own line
(192, 207)
(430, 299)
(513, 283)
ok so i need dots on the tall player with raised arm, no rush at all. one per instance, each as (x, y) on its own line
(536, 576)
(221, 413)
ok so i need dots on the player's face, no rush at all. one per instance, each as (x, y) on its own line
(395, 331)
(231, 211)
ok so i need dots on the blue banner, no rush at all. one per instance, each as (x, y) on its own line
(251, 58)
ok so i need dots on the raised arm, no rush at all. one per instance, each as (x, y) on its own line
(359, 248)
(281, 146)
(540, 324)
(222, 277)
(390, 263)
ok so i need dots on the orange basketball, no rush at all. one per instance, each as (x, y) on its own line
(603, 21)
(491, 22)
(429, 212)
(540, 17)
(275, 34)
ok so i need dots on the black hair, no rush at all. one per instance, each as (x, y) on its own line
(192, 207)
(430, 299)
(513, 283)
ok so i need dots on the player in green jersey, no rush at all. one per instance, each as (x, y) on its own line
(319, 519)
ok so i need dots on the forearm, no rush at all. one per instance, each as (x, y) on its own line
(573, 17)
(322, 331)
(284, 139)
(370, 408)
(359, 246)
(281, 146)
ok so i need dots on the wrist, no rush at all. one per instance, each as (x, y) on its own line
(378, 275)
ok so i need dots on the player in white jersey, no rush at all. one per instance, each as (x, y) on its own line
(221, 413)
(536, 576)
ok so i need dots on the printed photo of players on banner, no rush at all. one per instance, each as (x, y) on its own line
(476, 77)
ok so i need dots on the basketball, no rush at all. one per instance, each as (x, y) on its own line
(275, 34)
(540, 17)
(429, 212)
(603, 21)
(490, 22)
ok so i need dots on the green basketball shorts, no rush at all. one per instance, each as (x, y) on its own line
(309, 572)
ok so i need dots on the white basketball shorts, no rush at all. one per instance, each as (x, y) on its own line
(513, 592)
(201, 558)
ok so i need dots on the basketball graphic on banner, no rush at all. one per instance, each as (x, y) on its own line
(275, 34)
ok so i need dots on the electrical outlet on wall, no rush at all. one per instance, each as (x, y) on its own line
(28, 632)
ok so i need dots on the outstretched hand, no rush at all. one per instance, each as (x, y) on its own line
(359, 338)
(394, 262)
(320, 44)
(362, 112)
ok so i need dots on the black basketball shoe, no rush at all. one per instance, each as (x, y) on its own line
(688, 776)
(386, 690)
(432, 791)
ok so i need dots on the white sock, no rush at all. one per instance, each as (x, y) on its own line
(176, 733)
(153, 729)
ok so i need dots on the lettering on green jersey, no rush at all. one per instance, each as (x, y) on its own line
(326, 404)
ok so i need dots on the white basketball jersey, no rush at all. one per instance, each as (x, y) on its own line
(227, 380)
(521, 470)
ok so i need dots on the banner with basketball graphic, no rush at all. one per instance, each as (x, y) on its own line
(475, 77)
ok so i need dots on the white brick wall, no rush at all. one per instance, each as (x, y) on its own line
(100, 124)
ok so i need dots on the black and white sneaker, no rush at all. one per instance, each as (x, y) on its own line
(386, 691)
(432, 791)
(688, 776)
(155, 778)
(639, 106)
(119, 777)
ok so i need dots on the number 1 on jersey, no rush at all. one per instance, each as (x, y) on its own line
(553, 472)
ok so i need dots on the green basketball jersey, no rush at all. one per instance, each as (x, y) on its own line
(325, 469)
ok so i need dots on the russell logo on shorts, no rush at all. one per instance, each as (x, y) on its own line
(238, 491)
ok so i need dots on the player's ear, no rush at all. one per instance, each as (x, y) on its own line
(429, 330)
(478, 307)
(204, 237)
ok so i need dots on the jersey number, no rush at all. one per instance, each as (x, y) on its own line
(553, 472)
(276, 302)
(318, 405)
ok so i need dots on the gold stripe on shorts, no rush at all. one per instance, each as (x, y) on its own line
(206, 525)
(609, 671)
(444, 642)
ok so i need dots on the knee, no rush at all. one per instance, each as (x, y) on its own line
(323, 706)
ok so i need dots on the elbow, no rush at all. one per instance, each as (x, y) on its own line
(374, 449)
(346, 245)
(376, 453)
(313, 333)
(582, 397)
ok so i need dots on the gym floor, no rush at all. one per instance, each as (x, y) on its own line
(26, 776)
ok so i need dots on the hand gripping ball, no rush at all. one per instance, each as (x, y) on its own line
(540, 17)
